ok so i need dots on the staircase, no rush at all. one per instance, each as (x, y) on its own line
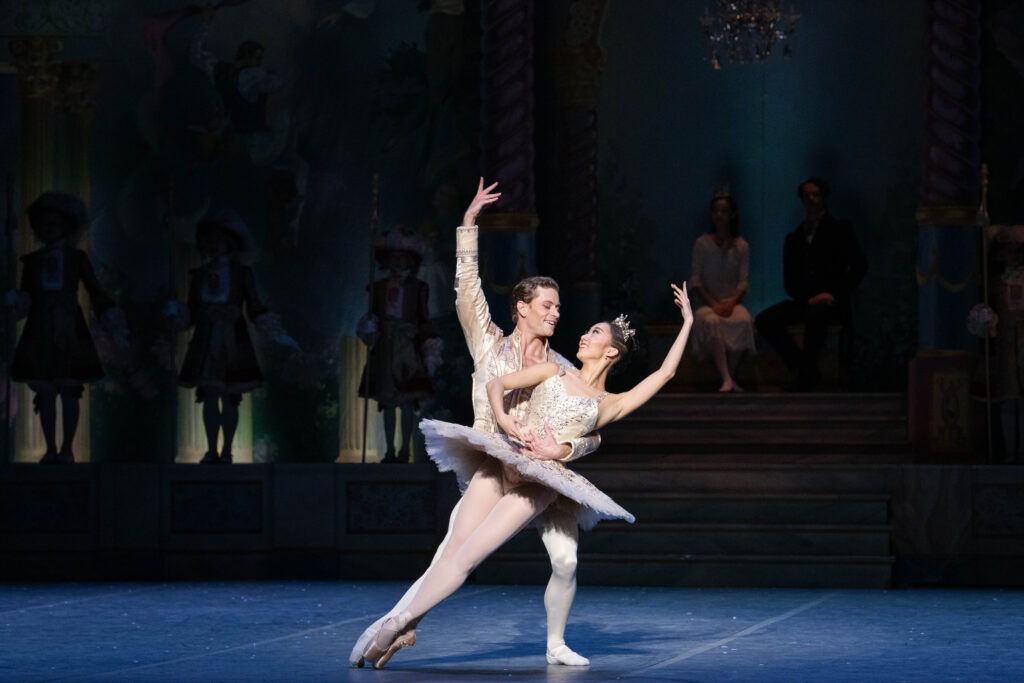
(738, 490)
(762, 428)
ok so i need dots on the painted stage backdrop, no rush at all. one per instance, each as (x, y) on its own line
(337, 91)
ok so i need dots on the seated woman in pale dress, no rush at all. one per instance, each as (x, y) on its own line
(723, 328)
(505, 489)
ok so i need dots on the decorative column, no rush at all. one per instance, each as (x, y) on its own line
(508, 247)
(949, 243)
(577, 67)
(76, 105)
(37, 61)
(949, 253)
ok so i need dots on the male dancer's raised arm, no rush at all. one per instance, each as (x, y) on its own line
(470, 304)
(482, 335)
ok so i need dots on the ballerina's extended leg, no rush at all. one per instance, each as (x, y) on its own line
(355, 657)
(502, 521)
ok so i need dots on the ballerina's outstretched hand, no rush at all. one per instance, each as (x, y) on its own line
(682, 300)
(617, 406)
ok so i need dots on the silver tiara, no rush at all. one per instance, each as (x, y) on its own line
(627, 332)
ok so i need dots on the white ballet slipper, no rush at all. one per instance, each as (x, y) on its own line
(563, 655)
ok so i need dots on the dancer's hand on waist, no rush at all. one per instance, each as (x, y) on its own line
(542, 445)
(512, 426)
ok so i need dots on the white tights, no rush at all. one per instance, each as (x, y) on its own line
(560, 535)
(561, 538)
(490, 514)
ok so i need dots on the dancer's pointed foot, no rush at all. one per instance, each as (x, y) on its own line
(210, 458)
(49, 458)
(730, 387)
(355, 657)
(563, 655)
(392, 637)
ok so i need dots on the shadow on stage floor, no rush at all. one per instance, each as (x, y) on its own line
(302, 631)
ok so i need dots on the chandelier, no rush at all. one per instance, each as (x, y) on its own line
(746, 30)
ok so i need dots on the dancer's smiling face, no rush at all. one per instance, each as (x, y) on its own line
(541, 314)
(596, 343)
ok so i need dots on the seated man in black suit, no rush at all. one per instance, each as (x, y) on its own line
(822, 265)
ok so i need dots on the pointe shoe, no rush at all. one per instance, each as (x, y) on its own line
(393, 635)
(355, 657)
(563, 655)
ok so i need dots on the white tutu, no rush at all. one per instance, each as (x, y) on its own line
(461, 449)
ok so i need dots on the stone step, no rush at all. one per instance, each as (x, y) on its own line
(683, 422)
(724, 539)
(793, 405)
(724, 429)
(778, 509)
(698, 570)
(617, 479)
(808, 454)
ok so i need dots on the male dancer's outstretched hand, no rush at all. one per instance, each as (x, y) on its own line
(484, 196)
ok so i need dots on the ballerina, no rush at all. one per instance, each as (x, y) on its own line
(506, 488)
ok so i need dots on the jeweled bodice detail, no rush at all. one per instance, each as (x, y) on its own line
(568, 416)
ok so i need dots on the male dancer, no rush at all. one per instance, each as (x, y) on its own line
(535, 307)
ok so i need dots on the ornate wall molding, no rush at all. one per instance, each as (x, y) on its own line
(37, 60)
(54, 17)
(76, 89)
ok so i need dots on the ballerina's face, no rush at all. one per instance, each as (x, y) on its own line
(596, 343)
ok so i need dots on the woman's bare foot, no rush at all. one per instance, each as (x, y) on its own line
(730, 386)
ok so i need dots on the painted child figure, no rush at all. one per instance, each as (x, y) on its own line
(220, 362)
(404, 347)
(55, 354)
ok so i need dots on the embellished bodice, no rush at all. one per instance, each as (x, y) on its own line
(568, 416)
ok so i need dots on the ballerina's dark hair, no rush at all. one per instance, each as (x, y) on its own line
(623, 338)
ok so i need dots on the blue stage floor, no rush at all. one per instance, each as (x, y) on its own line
(302, 631)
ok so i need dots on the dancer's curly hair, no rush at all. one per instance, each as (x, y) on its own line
(526, 291)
